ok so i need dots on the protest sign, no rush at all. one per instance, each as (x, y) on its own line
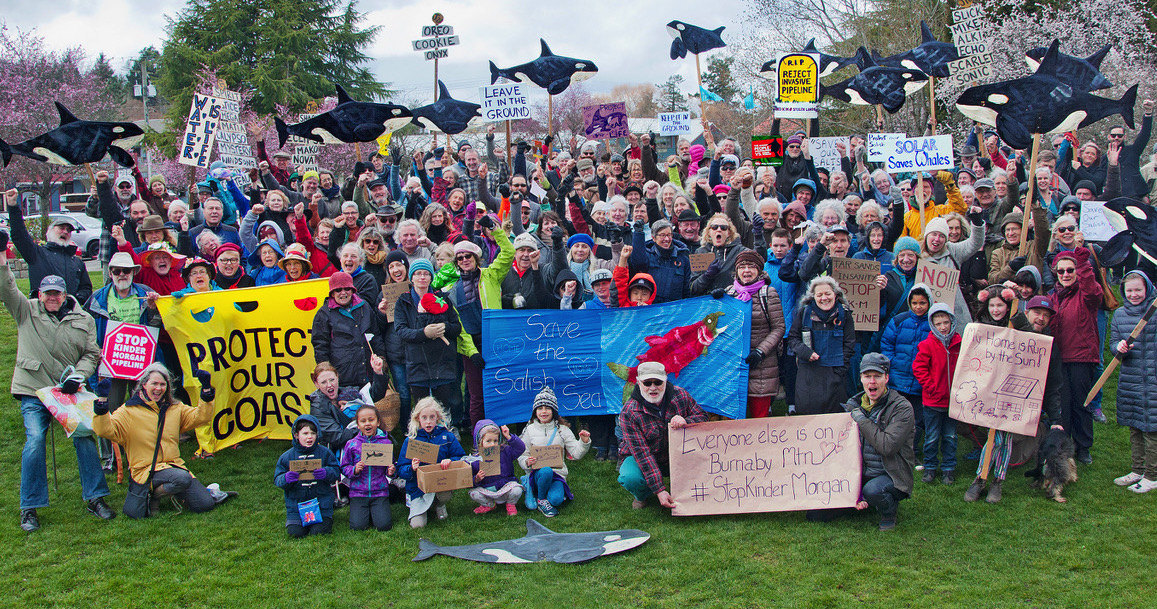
(942, 280)
(384, 143)
(304, 467)
(824, 152)
(506, 102)
(970, 37)
(1094, 225)
(127, 350)
(605, 121)
(255, 344)
(390, 294)
(434, 479)
(422, 451)
(377, 454)
(547, 456)
(767, 150)
(201, 129)
(674, 123)
(232, 142)
(588, 357)
(776, 464)
(878, 144)
(968, 71)
(1000, 378)
(491, 463)
(798, 85)
(920, 154)
(857, 278)
(700, 262)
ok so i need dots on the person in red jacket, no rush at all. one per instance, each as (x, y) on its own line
(160, 267)
(1077, 297)
(933, 368)
(640, 290)
(316, 246)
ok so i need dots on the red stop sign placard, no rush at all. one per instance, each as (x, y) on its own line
(128, 349)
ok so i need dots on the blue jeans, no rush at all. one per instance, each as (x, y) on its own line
(34, 459)
(398, 371)
(631, 478)
(939, 437)
(881, 494)
(546, 487)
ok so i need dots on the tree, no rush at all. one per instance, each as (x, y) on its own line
(150, 59)
(718, 78)
(671, 96)
(640, 99)
(289, 52)
(104, 73)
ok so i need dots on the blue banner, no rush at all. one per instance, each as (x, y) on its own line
(588, 357)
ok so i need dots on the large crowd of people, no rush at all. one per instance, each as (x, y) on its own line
(580, 225)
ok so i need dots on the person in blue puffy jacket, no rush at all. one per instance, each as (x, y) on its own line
(899, 344)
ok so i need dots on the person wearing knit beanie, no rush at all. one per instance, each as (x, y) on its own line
(906, 243)
(421, 264)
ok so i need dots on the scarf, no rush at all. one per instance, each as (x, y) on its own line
(228, 282)
(377, 257)
(582, 270)
(745, 292)
(331, 192)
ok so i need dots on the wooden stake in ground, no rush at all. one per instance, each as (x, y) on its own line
(1029, 175)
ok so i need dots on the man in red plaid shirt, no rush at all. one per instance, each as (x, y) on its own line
(653, 406)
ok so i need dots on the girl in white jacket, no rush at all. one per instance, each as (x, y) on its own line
(548, 485)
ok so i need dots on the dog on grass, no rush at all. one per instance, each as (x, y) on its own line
(1056, 466)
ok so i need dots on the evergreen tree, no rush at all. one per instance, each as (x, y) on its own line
(670, 95)
(718, 78)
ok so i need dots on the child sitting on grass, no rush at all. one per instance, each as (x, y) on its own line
(503, 487)
(548, 485)
(369, 484)
(308, 503)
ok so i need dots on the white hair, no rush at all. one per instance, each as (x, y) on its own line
(354, 247)
(409, 222)
(868, 206)
(769, 202)
(822, 280)
(835, 205)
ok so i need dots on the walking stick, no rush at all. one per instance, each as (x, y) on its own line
(1118, 356)
(55, 481)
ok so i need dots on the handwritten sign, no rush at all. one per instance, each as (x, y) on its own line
(767, 150)
(777, 464)
(547, 456)
(1094, 225)
(506, 102)
(390, 294)
(920, 154)
(491, 463)
(674, 123)
(941, 279)
(304, 151)
(304, 467)
(434, 479)
(200, 131)
(700, 262)
(857, 278)
(605, 121)
(422, 451)
(824, 152)
(798, 85)
(1000, 378)
(377, 454)
(970, 70)
(232, 141)
(878, 143)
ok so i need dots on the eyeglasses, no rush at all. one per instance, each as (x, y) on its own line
(464, 257)
(652, 383)
(119, 272)
(790, 146)
(727, 168)
(390, 220)
(376, 241)
(1117, 135)
(1066, 229)
(1066, 271)
(125, 186)
(719, 227)
(228, 261)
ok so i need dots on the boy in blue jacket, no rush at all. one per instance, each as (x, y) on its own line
(299, 492)
(899, 343)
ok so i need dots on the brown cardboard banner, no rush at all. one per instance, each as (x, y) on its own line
(377, 454)
(1000, 378)
(857, 278)
(305, 467)
(422, 451)
(547, 456)
(941, 279)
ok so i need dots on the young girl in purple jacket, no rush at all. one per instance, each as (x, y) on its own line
(369, 484)
(489, 491)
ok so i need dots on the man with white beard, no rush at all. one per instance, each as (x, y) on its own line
(654, 406)
(124, 301)
(56, 257)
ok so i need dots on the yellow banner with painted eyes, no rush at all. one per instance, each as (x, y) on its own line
(255, 342)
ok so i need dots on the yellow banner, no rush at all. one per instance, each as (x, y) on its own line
(255, 342)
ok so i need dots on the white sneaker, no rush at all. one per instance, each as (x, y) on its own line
(1127, 479)
(418, 521)
(1144, 486)
(440, 512)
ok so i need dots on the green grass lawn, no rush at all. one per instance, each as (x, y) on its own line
(1095, 551)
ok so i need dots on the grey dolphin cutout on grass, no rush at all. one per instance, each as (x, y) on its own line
(541, 545)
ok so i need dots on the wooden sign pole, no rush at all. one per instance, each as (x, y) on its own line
(549, 115)
(1028, 206)
(932, 100)
(358, 151)
(509, 150)
(702, 102)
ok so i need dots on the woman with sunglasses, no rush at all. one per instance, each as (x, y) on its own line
(1077, 298)
(721, 239)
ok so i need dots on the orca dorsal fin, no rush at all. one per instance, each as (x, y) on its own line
(864, 59)
(534, 528)
(443, 92)
(1096, 58)
(811, 45)
(66, 116)
(926, 33)
(545, 49)
(342, 96)
(1052, 57)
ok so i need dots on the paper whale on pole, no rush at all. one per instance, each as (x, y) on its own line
(76, 142)
(551, 72)
(447, 115)
(693, 39)
(348, 122)
(883, 85)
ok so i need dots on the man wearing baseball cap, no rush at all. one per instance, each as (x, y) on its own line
(58, 256)
(56, 346)
(654, 406)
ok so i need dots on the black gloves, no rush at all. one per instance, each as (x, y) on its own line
(852, 408)
(546, 142)
(477, 360)
(556, 236)
(3, 240)
(718, 293)
(757, 223)
(486, 222)
(640, 226)
(100, 406)
(976, 217)
(504, 190)
(523, 147)
(70, 386)
(207, 391)
(566, 185)
(395, 155)
(713, 269)
(754, 358)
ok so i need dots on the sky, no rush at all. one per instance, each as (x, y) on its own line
(628, 41)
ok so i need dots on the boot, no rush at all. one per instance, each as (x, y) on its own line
(994, 493)
(973, 492)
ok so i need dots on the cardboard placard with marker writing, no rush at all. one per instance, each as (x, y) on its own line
(304, 467)
(424, 452)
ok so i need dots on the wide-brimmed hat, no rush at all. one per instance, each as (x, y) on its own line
(159, 248)
(150, 223)
(123, 260)
(191, 263)
(296, 251)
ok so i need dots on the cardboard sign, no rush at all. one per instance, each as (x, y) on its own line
(127, 350)
(548, 456)
(942, 279)
(377, 454)
(824, 152)
(920, 154)
(422, 451)
(798, 82)
(434, 479)
(200, 131)
(1094, 224)
(878, 143)
(968, 71)
(605, 121)
(491, 463)
(390, 294)
(304, 467)
(700, 262)
(1000, 378)
(674, 123)
(506, 102)
(776, 464)
(857, 278)
(767, 150)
